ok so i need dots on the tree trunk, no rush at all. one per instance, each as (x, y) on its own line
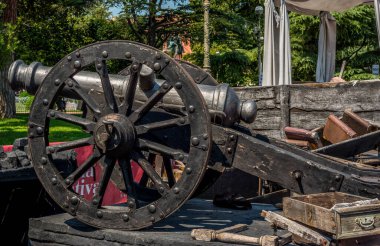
(7, 96)
(206, 61)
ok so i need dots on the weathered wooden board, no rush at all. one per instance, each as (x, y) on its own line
(308, 106)
(63, 229)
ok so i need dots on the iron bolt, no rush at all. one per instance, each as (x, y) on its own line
(43, 160)
(69, 58)
(40, 130)
(165, 86)
(191, 109)
(99, 66)
(95, 201)
(77, 54)
(131, 204)
(57, 82)
(167, 61)
(158, 56)
(181, 157)
(152, 208)
(157, 66)
(195, 141)
(337, 178)
(54, 181)
(45, 102)
(152, 219)
(176, 190)
(52, 114)
(77, 64)
(70, 83)
(74, 200)
(182, 120)
(135, 67)
(178, 85)
(99, 214)
(128, 55)
(232, 137)
(188, 170)
(105, 54)
(297, 175)
(229, 150)
(161, 189)
(125, 217)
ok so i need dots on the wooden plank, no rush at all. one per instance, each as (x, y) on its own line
(296, 228)
(353, 146)
(308, 120)
(267, 120)
(317, 217)
(337, 98)
(256, 93)
(267, 104)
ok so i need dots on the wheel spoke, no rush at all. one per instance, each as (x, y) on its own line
(83, 168)
(70, 145)
(86, 124)
(160, 185)
(141, 129)
(144, 179)
(155, 98)
(174, 153)
(91, 103)
(101, 68)
(125, 166)
(135, 69)
(108, 166)
(169, 170)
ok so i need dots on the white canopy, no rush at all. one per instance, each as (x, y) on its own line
(277, 58)
(314, 7)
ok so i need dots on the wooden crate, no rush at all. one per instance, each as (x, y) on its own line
(342, 215)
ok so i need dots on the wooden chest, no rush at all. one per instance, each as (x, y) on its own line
(342, 215)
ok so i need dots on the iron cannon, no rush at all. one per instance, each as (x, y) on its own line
(158, 108)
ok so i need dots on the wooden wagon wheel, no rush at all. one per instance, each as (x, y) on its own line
(118, 135)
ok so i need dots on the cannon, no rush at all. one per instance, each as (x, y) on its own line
(156, 106)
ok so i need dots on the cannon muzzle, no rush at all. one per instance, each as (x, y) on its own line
(220, 99)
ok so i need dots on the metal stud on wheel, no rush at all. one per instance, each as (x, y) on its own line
(119, 134)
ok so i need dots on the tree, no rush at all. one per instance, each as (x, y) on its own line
(8, 11)
(153, 21)
(233, 50)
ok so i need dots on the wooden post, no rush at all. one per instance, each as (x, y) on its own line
(285, 110)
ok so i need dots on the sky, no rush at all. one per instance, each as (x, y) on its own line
(115, 11)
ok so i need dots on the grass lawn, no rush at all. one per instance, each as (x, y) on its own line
(10, 129)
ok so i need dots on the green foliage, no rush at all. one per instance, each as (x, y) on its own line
(8, 40)
(26, 99)
(237, 67)
(10, 129)
(48, 30)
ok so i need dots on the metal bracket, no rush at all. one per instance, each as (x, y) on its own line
(230, 148)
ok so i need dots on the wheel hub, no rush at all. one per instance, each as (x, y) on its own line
(114, 134)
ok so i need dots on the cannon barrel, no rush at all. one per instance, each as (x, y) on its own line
(220, 98)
